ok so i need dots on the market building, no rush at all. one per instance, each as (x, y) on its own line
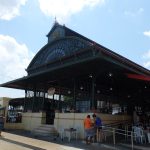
(72, 76)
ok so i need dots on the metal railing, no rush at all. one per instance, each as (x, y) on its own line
(125, 132)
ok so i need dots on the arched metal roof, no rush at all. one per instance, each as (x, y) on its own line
(58, 49)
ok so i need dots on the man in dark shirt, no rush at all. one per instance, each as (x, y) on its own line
(98, 127)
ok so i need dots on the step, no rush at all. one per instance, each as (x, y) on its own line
(45, 130)
(42, 133)
(46, 125)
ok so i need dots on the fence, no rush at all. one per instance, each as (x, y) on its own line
(115, 131)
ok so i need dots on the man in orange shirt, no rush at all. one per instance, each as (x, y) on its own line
(87, 128)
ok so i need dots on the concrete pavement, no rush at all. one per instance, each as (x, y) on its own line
(10, 141)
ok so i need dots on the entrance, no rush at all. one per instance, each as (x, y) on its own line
(50, 115)
(50, 111)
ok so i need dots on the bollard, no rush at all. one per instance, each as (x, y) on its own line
(132, 139)
(114, 138)
(127, 132)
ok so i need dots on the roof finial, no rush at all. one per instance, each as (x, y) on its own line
(56, 22)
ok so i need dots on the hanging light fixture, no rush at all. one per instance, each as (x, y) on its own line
(69, 92)
(90, 76)
(110, 74)
(111, 89)
(98, 91)
(81, 87)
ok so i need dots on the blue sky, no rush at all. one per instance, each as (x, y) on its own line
(120, 25)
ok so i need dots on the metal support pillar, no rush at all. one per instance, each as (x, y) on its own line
(34, 98)
(132, 140)
(74, 94)
(43, 101)
(114, 137)
(58, 106)
(25, 100)
(93, 103)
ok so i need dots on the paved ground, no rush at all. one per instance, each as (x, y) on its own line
(12, 141)
(23, 140)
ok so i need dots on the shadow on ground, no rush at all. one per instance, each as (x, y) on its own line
(78, 144)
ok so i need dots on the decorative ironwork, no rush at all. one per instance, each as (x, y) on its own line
(58, 50)
(58, 32)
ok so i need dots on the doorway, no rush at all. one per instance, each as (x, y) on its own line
(50, 111)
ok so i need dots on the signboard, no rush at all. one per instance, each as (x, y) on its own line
(51, 91)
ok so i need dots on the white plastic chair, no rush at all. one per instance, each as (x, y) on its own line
(142, 136)
(148, 135)
(139, 134)
(61, 133)
(69, 133)
(76, 133)
(104, 133)
(134, 133)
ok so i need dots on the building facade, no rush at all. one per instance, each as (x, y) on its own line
(72, 76)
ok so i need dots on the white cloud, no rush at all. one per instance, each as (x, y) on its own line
(63, 9)
(140, 10)
(12, 93)
(134, 14)
(10, 8)
(147, 64)
(14, 58)
(146, 57)
(147, 33)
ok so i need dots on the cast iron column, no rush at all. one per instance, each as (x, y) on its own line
(93, 102)
(58, 107)
(74, 93)
(34, 98)
(25, 100)
(43, 101)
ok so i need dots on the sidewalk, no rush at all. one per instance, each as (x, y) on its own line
(19, 142)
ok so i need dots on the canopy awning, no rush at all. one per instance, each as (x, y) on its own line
(89, 61)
